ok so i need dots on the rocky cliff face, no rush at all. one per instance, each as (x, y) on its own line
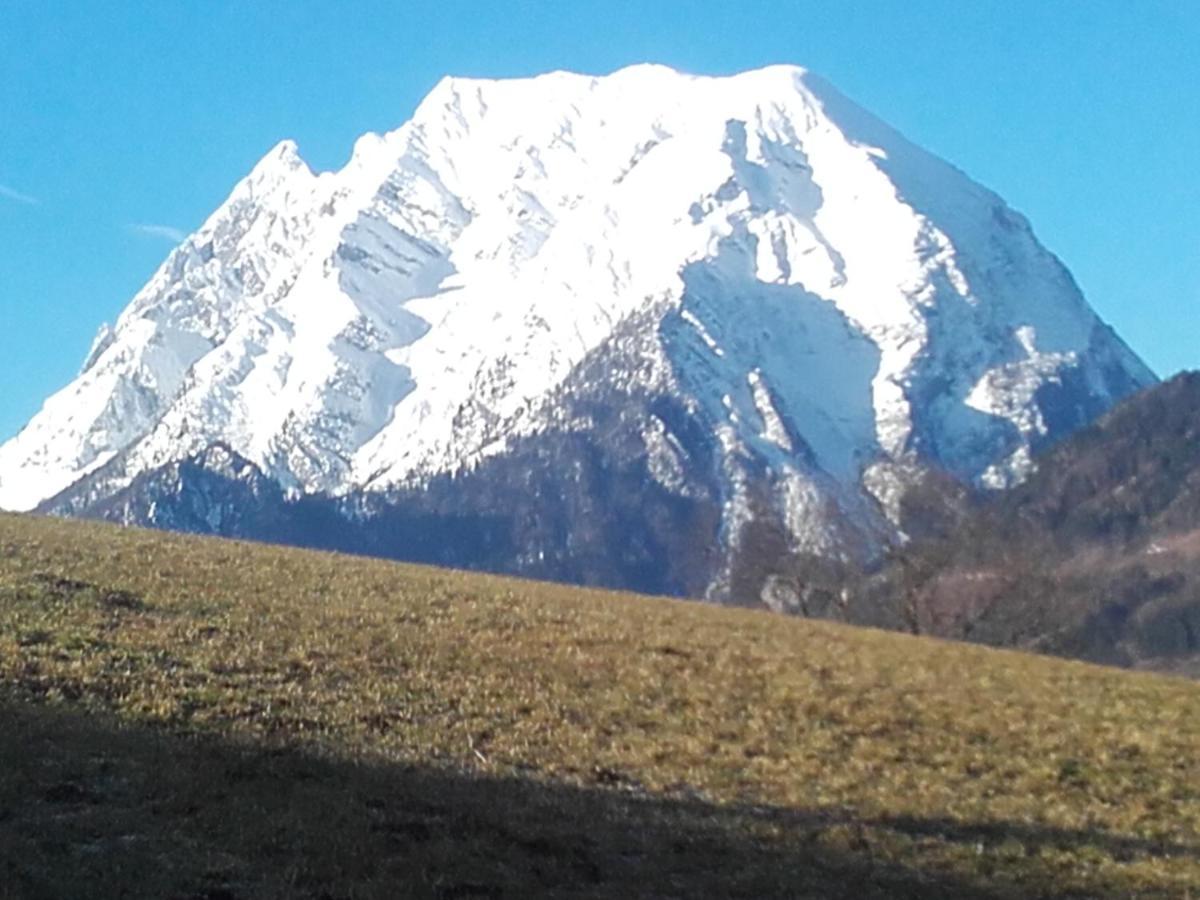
(598, 328)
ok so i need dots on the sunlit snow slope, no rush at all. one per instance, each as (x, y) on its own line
(822, 306)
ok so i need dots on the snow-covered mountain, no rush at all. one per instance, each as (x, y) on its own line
(588, 328)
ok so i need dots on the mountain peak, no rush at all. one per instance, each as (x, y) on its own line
(283, 157)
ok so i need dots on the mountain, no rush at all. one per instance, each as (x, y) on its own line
(593, 329)
(1095, 556)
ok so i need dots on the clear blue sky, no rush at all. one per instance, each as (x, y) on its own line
(115, 116)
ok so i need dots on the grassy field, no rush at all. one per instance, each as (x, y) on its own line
(208, 720)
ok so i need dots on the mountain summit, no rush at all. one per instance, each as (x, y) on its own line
(583, 328)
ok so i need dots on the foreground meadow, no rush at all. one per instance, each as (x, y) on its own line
(196, 718)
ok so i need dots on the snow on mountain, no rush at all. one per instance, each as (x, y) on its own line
(831, 305)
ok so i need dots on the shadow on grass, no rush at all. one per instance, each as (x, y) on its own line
(90, 808)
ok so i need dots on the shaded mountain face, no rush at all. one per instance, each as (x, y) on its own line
(1096, 555)
(609, 330)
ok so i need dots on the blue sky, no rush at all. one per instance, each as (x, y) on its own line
(121, 127)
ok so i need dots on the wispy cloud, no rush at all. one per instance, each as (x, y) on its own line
(16, 196)
(163, 232)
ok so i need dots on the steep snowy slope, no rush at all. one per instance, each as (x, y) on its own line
(822, 306)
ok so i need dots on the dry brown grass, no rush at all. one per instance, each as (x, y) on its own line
(199, 718)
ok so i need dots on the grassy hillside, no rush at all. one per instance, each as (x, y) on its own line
(194, 718)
